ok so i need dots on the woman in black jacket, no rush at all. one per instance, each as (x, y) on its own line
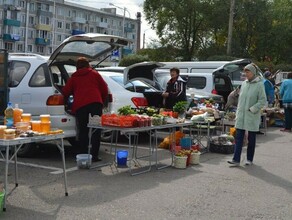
(175, 90)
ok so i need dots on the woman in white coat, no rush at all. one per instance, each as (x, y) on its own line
(252, 99)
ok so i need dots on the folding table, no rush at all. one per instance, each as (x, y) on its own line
(16, 144)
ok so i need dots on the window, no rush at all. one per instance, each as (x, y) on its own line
(22, 18)
(16, 72)
(40, 49)
(134, 86)
(68, 26)
(29, 48)
(60, 24)
(8, 46)
(44, 20)
(59, 37)
(197, 82)
(22, 4)
(19, 47)
(31, 6)
(41, 77)
(30, 34)
(31, 20)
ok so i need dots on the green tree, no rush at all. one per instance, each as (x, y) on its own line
(132, 59)
(178, 23)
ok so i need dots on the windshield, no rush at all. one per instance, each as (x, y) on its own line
(134, 86)
(90, 48)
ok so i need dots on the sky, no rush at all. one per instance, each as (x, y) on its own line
(132, 6)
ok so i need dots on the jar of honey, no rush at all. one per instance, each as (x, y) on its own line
(45, 118)
(36, 126)
(26, 117)
(45, 127)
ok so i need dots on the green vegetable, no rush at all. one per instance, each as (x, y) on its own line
(126, 110)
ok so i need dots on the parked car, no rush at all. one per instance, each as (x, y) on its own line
(160, 78)
(35, 82)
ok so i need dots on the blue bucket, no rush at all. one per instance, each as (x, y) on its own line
(122, 156)
(186, 143)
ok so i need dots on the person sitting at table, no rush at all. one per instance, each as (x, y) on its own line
(175, 90)
(232, 100)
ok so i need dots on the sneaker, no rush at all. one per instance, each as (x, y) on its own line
(233, 162)
(260, 132)
(285, 130)
(248, 163)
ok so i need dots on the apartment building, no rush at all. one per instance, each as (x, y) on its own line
(39, 26)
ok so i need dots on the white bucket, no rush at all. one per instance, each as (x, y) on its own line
(83, 160)
(180, 162)
(195, 158)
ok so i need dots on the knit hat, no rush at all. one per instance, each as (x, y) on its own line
(251, 68)
(267, 74)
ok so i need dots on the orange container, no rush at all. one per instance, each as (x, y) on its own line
(26, 117)
(36, 126)
(45, 127)
(17, 112)
(45, 118)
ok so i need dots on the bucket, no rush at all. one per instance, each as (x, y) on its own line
(180, 162)
(2, 195)
(83, 160)
(186, 143)
(122, 156)
(195, 158)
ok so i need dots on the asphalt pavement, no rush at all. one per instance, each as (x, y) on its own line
(211, 190)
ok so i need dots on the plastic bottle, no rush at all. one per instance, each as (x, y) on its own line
(17, 114)
(9, 115)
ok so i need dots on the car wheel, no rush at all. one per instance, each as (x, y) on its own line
(27, 150)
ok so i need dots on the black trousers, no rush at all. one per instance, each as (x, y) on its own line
(82, 115)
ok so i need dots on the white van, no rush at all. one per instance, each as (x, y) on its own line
(194, 67)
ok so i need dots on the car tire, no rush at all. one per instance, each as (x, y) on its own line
(27, 150)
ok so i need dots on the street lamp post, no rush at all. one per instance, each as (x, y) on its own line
(144, 37)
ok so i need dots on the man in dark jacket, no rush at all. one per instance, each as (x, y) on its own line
(89, 91)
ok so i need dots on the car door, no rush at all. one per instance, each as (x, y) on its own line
(145, 71)
(30, 85)
(95, 47)
(223, 85)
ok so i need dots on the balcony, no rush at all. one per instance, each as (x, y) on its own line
(79, 20)
(43, 27)
(44, 13)
(128, 30)
(11, 22)
(11, 37)
(42, 41)
(102, 25)
(76, 31)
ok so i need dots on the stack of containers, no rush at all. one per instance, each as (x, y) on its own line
(45, 123)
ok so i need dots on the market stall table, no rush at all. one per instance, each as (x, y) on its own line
(133, 132)
(17, 144)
